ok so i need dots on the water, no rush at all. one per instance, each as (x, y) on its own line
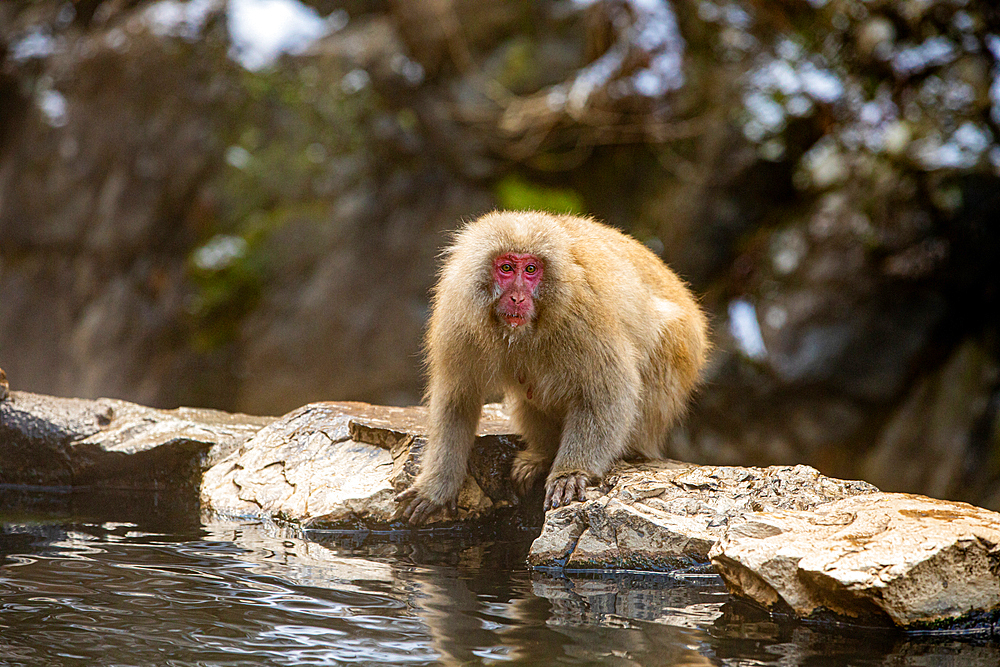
(107, 579)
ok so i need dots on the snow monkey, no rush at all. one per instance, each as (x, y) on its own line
(594, 342)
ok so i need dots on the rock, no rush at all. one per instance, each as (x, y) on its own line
(339, 465)
(662, 515)
(791, 540)
(911, 560)
(96, 301)
(4, 386)
(51, 441)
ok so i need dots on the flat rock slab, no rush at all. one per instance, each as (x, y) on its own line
(911, 560)
(50, 441)
(665, 514)
(339, 465)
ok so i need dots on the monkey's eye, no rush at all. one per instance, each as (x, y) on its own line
(506, 267)
(530, 268)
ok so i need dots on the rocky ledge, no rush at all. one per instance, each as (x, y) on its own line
(50, 441)
(339, 465)
(787, 538)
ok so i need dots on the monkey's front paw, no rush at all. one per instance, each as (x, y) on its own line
(564, 489)
(417, 507)
(525, 471)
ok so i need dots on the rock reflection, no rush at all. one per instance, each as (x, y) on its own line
(280, 552)
(621, 606)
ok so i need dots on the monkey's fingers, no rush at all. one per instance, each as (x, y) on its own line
(419, 511)
(554, 493)
(581, 489)
(409, 500)
(564, 490)
(519, 478)
(403, 503)
(407, 494)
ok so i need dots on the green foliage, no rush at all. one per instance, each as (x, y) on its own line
(294, 140)
(297, 140)
(517, 194)
(229, 272)
(519, 69)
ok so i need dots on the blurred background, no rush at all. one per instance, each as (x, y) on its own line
(239, 204)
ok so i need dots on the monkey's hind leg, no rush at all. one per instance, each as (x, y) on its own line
(541, 433)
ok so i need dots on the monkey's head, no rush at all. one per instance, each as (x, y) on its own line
(509, 273)
(517, 278)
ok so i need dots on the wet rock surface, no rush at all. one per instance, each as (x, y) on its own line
(50, 441)
(792, 541)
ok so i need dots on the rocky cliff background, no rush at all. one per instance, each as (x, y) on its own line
(239, 204)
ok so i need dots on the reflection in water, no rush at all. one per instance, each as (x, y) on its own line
(116, 595)
(123, 581)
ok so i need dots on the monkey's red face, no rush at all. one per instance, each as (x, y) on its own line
(517, 278)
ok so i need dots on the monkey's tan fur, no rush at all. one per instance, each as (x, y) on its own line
(603, 370)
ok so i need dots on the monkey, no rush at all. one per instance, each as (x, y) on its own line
(594, 342)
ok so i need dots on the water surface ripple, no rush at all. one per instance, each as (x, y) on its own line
(140, 588)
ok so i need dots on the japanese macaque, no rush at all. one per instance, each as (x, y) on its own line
(594, 342)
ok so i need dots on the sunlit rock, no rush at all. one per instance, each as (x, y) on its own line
(788, 538)
(876, 557)
(660, 515)
(340, 465)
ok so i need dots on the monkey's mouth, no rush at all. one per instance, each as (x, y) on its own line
(514, 320)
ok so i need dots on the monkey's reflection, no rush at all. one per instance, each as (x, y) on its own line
(522, 618)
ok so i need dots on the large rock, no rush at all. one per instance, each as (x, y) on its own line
(50, 441)
(101, 203)
(910, 559)
(339, 465)
(660, 515)
(792, 541)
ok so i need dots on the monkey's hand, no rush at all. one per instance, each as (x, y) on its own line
(565, 488)
(418, 507)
